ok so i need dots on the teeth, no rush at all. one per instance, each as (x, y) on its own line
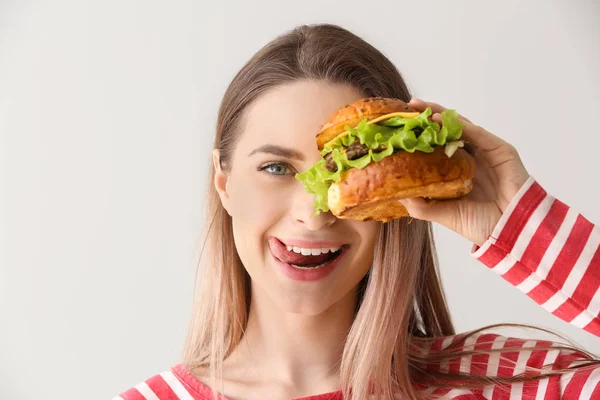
(313, 252)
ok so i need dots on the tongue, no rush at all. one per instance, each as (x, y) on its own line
(298, 259)
(280, 251)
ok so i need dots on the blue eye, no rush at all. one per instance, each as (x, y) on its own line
(275, 169)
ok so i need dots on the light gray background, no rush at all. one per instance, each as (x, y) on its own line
(107, 110)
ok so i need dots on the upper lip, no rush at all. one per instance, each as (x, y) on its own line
(312, 244)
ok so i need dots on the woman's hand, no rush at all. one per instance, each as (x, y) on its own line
(499, 174)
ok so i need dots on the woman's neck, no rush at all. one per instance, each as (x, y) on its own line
(292, 348)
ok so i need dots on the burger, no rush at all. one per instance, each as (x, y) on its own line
(378, 150)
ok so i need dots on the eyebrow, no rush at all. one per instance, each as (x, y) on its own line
(278, 151)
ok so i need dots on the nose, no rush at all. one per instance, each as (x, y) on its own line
(303, 211)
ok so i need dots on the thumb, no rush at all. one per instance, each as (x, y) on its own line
(444, 212)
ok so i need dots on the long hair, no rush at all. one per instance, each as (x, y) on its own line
(390, 341)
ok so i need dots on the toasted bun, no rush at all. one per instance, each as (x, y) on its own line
(371, 193)
(352, 114)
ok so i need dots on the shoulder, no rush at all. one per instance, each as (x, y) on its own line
(176, 383)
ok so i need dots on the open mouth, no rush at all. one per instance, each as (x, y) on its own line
(305, 259)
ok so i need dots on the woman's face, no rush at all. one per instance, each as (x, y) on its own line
(271, 210)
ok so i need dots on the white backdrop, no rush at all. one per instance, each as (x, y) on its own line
(107, 110)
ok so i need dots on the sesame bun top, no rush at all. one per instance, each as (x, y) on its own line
(351, 114)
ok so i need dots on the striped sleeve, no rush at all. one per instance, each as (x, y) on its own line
(512, 357)
(163, 386)
(551, 253)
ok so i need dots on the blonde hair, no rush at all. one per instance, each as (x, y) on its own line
(389, 344)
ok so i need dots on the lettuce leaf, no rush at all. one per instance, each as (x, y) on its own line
(396, 133)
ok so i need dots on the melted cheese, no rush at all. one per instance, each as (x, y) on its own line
(394, 114)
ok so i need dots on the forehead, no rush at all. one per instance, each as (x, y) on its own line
(292, 114)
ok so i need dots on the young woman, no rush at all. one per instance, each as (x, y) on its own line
(378, 325)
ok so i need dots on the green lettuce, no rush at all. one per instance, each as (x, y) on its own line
(395, 133)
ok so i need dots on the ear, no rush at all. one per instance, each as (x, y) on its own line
(221, 181)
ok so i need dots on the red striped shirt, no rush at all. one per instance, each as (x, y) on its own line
(541, 246)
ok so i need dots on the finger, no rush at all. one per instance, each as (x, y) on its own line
(421, 105)
(481, 138)
(443, 212)
(478, 137)
(435, 108)
(437, 117)
(417, 104)
(438, 109)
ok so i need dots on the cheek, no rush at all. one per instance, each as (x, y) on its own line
(256, 197)
(256, 203)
